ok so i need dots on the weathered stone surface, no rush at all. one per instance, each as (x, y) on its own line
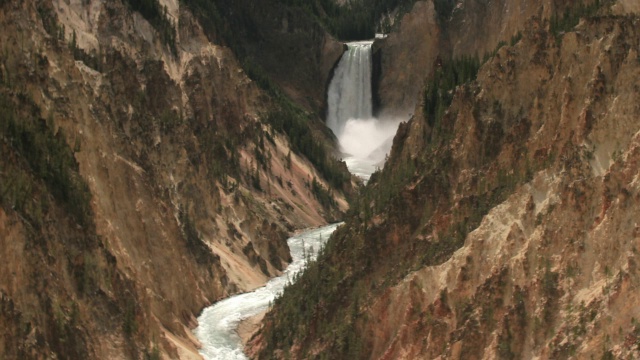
(172, 147)
(513, 235)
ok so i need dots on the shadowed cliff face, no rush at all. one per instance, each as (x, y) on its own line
(140, 180)
(295, 51)
(404, 59)
(280, 44)
(503, 230)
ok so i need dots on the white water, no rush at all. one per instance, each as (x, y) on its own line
(364, 140)
(218, 323)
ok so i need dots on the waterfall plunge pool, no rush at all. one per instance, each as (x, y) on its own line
(364, 140)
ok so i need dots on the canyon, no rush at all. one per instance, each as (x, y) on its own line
(143, 176)
(502, 223)
(157, 155)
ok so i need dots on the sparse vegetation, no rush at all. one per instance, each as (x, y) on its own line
(200, 251)
(559, 24)
(156, 15)
(515, 38)
(439, 91)
(608, 355)
(550, 293)
(323, 195)
(304, 308)
(129, 323)
(292, 121)
(229, 24)
(444, 8)
(154, 354)
(31, 139)
(429, 229)
(48, 17)
(40, 186)
(415, 213)
(356, 19)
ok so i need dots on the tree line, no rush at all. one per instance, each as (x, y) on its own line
(48, 158)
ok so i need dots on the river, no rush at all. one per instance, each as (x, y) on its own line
(219, 322)
(364, 141)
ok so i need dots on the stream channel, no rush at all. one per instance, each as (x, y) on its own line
(219, 322)
(364, 141)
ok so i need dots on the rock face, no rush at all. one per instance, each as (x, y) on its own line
(139, 180)
(286, 45)
(398, 77)
(554, 260)
(505, 230)
(474, 27)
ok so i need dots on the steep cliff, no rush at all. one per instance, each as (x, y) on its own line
(505, 228)
(277, 42)
(143, 176)
(446, 29)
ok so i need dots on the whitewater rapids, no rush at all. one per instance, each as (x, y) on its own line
(219, 322)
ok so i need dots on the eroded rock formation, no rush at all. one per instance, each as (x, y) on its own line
(505, 229)
(141, 180)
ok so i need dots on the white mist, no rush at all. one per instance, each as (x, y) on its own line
(364, 140)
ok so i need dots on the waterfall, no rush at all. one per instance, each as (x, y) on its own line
(364, 140)
(349, 94)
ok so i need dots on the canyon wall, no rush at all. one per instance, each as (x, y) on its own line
(504, 229)
(142, 178)
(280, 44)
(443, 30)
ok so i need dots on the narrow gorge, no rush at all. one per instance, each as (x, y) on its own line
(364, 142)
(218, 324)
(168, 169)
(501, 225)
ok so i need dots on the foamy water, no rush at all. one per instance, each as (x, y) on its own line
(364, 140)
(365, 144)
(219, 322)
